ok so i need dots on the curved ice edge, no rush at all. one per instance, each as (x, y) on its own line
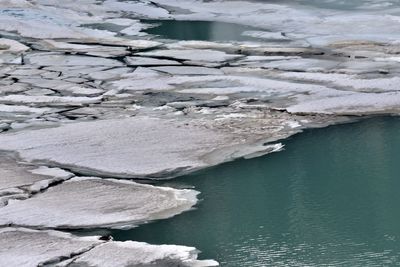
(188, 195)
(213, 158)
(186, 201)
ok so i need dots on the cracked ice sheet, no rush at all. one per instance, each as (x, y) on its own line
(214, 84)
(133, 147)
(198, 55)
(28, 248)
(14, 174)
(188, 70)
(55, 59)
(12, 46)
(53, 101)
(62, 206)
(313, 22)
(94, 50)
(354, 82)
(139, 254)
(351, 104)
(22, 109)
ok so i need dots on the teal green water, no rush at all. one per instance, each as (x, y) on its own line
(331, 198)
(199, 30)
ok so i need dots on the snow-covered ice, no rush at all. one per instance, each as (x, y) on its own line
(205, 55)
(106, 203)
(28, 248)
(134, 147)
(16, 175)
(132, 254)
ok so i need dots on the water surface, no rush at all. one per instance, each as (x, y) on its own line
(330, 199)
(199, 30)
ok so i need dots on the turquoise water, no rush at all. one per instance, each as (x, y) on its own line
(199, 30)
(331, 198)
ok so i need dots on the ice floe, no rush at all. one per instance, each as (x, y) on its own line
(53, 59)
(131, 254)
(17, 175)
(188, 70)
(49, 100)
(107, 203)
(148, 61)
(204, 55)
(12, 46)
(133, 147)
(28, 248)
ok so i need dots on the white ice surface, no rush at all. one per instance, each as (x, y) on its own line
(148, 61)
(352, 104)
(22, 109)
(14, 175)
(204, 55)
(53, 59)
(136, 254)
(30, 248)
(12, 46)
(49, 100)
(95, 202)
(188, 70)
(132, 147)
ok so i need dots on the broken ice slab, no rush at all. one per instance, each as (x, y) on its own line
(348, 82)
(138, 254)
(106, 203)
(148, 61)
(31, 248)
(15, 175)
(302, 64)
(57, 59)
(205, 55)
(276, 36)
(108, 74)
(15, 109)
(188, 70)
(350, 104)
(12, 46)
(87, 49)
(137, 147)
(28, 248)
(49, 101)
